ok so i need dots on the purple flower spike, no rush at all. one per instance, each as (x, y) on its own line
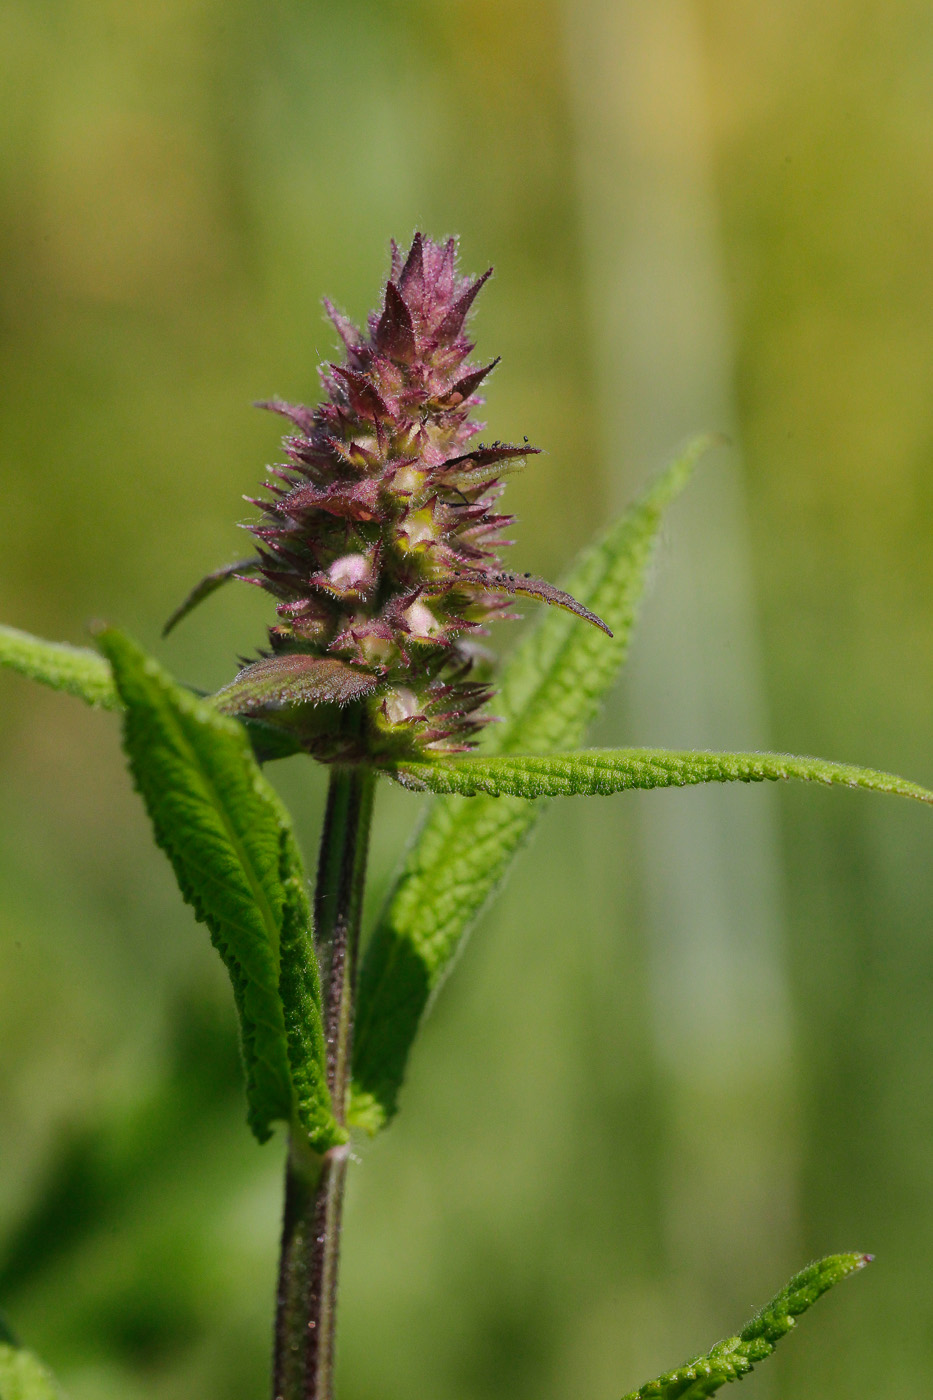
(379, 541)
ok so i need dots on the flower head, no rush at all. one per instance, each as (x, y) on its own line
(379, 537)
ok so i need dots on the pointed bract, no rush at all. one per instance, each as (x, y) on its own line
(395, 334)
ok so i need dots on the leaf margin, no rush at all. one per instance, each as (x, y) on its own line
(603, 772)
(77, 671)
(279, 977)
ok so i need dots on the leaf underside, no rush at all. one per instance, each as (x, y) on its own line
(230, 842)
(551, 689)
(592, 772)
(734, 1357)
(23, 1376)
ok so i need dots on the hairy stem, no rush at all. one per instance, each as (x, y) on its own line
(307, 1292)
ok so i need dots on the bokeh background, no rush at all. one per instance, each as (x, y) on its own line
(691, 1047)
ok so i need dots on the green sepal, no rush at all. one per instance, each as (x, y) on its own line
(551, 688)
(230, 843)
(23, 1376)
(734, 1357)
(599, 772)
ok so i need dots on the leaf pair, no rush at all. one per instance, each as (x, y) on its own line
(551, 688)
(195, 771)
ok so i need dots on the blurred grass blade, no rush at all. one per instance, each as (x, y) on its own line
(77, 670)
(230, 843)
(551, 688)
(733, 1358)
(23, 1376)
(591, 772)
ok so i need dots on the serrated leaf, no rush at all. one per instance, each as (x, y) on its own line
(230, 842)
(599, 772)
(23, 1376)
(551, 689)
(76, 670)
(734, 1357)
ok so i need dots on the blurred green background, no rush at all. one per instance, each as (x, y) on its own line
(691, 1047)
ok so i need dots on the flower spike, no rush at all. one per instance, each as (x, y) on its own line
(379, 539)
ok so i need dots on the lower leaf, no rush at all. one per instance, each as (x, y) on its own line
(733, 1358)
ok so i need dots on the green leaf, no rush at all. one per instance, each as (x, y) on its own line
(77, 670)
(733, 1358)
(23, 1376)
(551, 689)
(81, 672)
(231, 845)
(589, 772)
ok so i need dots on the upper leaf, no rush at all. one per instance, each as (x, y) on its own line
(734, 1357)
(23, 1376)
(589, 772)
(231, 845)
(77, 670)
(551, 689)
